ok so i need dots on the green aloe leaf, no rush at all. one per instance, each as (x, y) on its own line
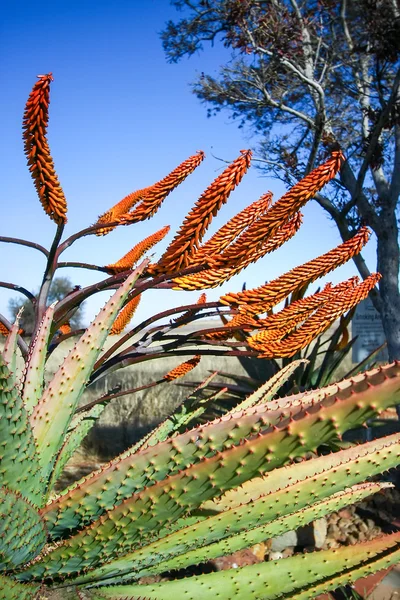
(350, 404)
(22, 530)
(191, 408)
(12, 590)
(262, 504)
(10, 347)
(274, 579)
(53, 413)
(166, 555)
(267, 391)
(166, 501)
(73, 440)
(33, 377)
(19, 463)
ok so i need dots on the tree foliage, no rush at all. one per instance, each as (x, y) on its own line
(306, 77)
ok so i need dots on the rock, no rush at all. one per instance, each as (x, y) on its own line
(288, 552)
(363, 527)
(320, 532)
(259, 551)
(238, 559)
(314, 534)
(345, 513)
(281, 542)
(275, 555)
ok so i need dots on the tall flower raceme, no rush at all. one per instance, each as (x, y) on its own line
(134, 517)
(37, 151)
(132, 257)
(149, 198)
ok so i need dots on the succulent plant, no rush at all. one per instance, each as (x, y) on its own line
(187, 492)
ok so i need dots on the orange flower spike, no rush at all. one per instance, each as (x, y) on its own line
(150, 197)
(159, 191)
(37, 151)
(188, 238)
(261, 299)
(319, 322)
(281, 235)
(125, 316)
(128, 261)
(289, 204)
(182, 369)
(226, 234)
(220, 274)
(120, 209)
(202, 299)
(301, 309)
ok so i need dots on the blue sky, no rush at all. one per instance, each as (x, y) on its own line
(121, 118)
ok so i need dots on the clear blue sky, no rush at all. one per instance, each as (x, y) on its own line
(121, 118)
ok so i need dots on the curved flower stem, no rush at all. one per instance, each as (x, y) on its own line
(56, 341)
(51, 267)
(137, 357)
(20, 289)
(20, 242)
(84, 232)
(76, 298)
(149, 321)
(79, 265)
(162, 332)
(110, 396)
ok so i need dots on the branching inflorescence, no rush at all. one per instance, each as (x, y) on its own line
(193, 264)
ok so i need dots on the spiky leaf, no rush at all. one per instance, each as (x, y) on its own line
(12, 590)
(295, 427)
(19, 469)
(52, 415)
(259, 510)
(22, 530)
(33, 377)
(274, 579)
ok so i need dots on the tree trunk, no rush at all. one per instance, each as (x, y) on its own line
(388, 261)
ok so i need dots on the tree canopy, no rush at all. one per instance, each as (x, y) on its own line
(306, 77)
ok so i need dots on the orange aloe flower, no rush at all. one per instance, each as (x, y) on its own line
(188, 238)
(64, 329)
(189, 313)
(182, 369)
(228, 232)
(319, 322)
(37, 151)
(125, 316)
(3, 329)
(218, 275)
(261, 299)
(299, 310)
(115, 212)
(150, 197)
(131, 258)
(288, 205)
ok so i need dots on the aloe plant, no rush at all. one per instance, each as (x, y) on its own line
(186, 492)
